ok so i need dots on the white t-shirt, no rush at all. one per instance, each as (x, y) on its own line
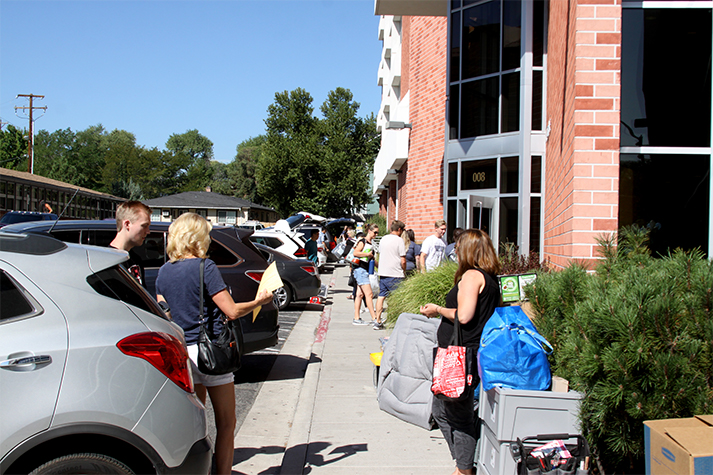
(435, 250)
(391, 249)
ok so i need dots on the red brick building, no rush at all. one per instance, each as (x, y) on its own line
(563, 120)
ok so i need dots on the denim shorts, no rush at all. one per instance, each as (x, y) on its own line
(388, 285)
(361, 276)
(207, 380)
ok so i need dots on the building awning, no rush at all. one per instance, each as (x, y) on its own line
(411, 7)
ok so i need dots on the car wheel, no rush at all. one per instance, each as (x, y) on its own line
(83, 464)
(283, 297)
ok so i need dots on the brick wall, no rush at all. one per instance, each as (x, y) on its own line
(582, 164)
(422, 192)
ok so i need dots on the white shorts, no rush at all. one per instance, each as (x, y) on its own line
(207, 380)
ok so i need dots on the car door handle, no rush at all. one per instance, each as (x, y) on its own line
(26, 363)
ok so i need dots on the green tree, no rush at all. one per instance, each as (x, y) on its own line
(13, 148)
(55, 155)
(242, 171)
(350, 145)
(317, 165)
(199, 151)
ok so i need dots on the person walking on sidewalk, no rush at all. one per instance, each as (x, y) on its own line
(363, 249)
(472, 300)
(178, 284)
(392, 267)
(433, 249)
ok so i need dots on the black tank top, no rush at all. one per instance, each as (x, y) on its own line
(488, 301)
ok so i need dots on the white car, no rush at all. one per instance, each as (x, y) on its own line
(286, 240)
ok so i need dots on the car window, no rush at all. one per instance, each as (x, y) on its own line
(14, 300)
(116, 283)
(67, 236)
(98, 237)
(152, 252)
(267, 241)
(220, 255)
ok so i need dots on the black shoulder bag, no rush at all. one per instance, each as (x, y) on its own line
(221, 355)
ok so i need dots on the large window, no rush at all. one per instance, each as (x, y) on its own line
(666, 77)
(669, 195)
(665, 155)
(485, 68)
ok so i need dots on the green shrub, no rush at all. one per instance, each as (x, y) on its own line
(380, 221)
(512, 262)
(420, 289)
(635, 336)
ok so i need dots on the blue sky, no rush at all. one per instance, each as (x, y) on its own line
(159, 67)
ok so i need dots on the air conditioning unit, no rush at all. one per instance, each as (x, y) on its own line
(166, 213)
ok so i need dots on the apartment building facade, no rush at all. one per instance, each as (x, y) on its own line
(564, 120)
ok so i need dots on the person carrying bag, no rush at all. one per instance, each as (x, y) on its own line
(180, 283)
(469, 305)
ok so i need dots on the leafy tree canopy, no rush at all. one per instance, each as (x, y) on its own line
(320, 165)
(13, 148)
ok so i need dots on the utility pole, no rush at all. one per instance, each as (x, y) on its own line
(31, 138)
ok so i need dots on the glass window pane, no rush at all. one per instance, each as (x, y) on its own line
(453, 106)
(478, 174)
(480, 106)
(455, 4)
(536, 100)
(538, 32)
(535, 224)
(13, 302)
(452, 179)
(669, 194)
(666, 77)
(455, 46)
(536, 175)
(481, 39)
(511, 34)
(509, 174)
(511, 103)
(508, 220)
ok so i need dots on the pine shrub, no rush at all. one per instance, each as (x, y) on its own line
(635, 337)
(420, 289)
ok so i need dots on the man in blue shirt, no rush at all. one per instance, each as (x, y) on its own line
(312, 248)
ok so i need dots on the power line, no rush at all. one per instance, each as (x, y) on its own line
(30, 142)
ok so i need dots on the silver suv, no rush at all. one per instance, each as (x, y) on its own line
(93, 377)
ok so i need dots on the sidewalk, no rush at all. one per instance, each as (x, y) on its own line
(317, 412)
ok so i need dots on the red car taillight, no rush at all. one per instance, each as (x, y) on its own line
(255, 275)
(309, 269)
(165, 353)
(301, 252)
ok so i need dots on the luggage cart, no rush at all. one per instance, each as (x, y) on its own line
(527, 464)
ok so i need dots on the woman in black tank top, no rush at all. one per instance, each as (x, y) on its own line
(473, 299)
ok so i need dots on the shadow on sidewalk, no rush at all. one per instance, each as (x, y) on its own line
(304, 454)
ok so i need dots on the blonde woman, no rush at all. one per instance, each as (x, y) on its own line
(472, 300)
(178, 284)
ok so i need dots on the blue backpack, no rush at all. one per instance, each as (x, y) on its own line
(512, 353)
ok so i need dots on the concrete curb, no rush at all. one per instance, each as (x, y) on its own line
(285, 401)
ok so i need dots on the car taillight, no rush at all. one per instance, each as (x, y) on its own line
(309, 269)
(165, 353)
(301, 252)
(255, 275)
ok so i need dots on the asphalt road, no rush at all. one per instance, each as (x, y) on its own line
(256, 366)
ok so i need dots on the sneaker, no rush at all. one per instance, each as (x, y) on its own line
(363, 310)
(359, 322)
(378, 326)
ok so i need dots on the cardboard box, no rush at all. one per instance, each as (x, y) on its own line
(679, 446)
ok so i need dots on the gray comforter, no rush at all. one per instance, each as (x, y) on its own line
(404, 388)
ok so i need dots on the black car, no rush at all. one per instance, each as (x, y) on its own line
(240, 263)
(12, 217)
(300, 276)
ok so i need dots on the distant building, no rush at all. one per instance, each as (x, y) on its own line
(22, 191)
(215, 207)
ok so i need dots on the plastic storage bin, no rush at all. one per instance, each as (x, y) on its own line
(513, 413)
